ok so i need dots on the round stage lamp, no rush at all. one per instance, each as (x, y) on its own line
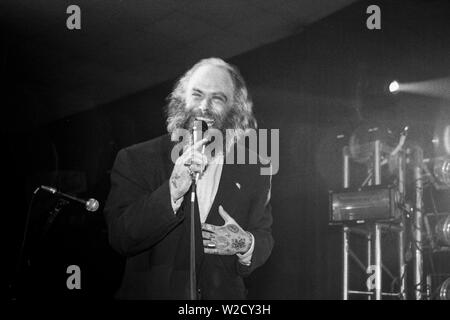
(446, 138)
(441, 140)
(444, 291)
(442, 230)
(394, 87)
(442, 170)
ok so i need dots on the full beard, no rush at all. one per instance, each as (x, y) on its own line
(180, 118)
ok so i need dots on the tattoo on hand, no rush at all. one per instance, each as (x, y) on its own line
(228, 239)
(175, 177)
(233, 228)
(222, 242)
(238, 244)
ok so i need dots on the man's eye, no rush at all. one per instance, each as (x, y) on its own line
(196, 94)
(219, 99)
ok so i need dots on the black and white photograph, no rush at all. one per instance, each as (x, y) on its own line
(225, 155)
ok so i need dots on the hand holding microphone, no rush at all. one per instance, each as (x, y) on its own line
(190, 164)
(198, 129)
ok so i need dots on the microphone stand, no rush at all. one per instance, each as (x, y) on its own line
(192, 273)
(23, 259)
(13, 286)
(23, 256)
(198, 129)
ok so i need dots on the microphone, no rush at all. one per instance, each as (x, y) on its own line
(198, 129)
(90, 205)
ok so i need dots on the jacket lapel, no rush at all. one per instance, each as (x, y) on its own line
(225, 197)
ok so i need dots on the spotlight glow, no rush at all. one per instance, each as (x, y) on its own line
(394, 86)
(432, 88)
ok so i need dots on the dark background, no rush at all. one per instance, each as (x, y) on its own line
(327, 80)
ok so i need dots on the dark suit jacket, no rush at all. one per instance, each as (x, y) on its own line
(143, 227)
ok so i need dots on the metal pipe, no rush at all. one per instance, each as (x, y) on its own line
(369, 256)
(401, 233)
(345, 229)
(345, 235)
(346, 167)
(369, 293)
(377, 162)
(378, 262)
(401, 174)
(401, 263)
(417, 234)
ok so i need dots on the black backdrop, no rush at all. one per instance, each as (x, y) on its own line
(312, 86)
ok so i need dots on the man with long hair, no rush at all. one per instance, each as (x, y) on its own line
(148, 212)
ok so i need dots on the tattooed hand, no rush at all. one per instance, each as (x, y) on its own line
(192, 161)
(228, 239)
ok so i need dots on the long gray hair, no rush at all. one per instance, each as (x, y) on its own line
(242, 117)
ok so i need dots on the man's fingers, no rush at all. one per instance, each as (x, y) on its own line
(207, 235)
(200, 143)
(197, 162)
(208, 227)
(209, 244)
(211, 251)
(196, 168)
(194, 158)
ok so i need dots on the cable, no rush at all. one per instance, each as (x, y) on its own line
(25, 233)
(399, 281)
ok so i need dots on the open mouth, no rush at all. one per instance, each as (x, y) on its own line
(208, 121)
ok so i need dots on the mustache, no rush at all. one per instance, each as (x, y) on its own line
(181, 117)
(208, 114)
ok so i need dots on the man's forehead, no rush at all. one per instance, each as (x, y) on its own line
(211, 78)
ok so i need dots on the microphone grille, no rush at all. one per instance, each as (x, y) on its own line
(92, 205)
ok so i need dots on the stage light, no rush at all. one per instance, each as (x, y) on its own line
(442, 170)
(442, 230)
(394, 86)
(444, 291)
(441, 137)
